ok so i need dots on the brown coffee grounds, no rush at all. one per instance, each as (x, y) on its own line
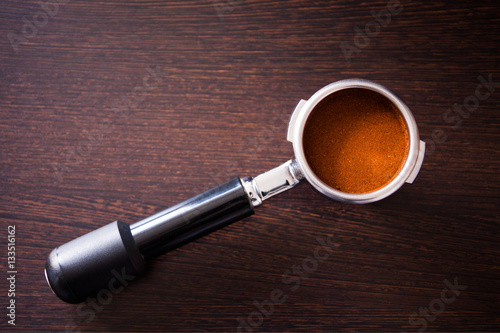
(355, 140)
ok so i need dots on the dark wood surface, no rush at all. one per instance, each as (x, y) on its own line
(226, 77)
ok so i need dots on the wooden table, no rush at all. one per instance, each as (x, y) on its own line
(118, 109)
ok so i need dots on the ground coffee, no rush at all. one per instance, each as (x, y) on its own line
(355, 140)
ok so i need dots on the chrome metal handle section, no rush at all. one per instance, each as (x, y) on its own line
(272, 182)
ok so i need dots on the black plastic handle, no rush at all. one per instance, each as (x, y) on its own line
(192, 219)
(98, 260)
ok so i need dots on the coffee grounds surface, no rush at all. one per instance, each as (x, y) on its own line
(356, 141)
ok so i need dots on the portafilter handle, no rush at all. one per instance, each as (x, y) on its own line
(98, 260)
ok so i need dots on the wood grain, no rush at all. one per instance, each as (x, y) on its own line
(118, 109)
